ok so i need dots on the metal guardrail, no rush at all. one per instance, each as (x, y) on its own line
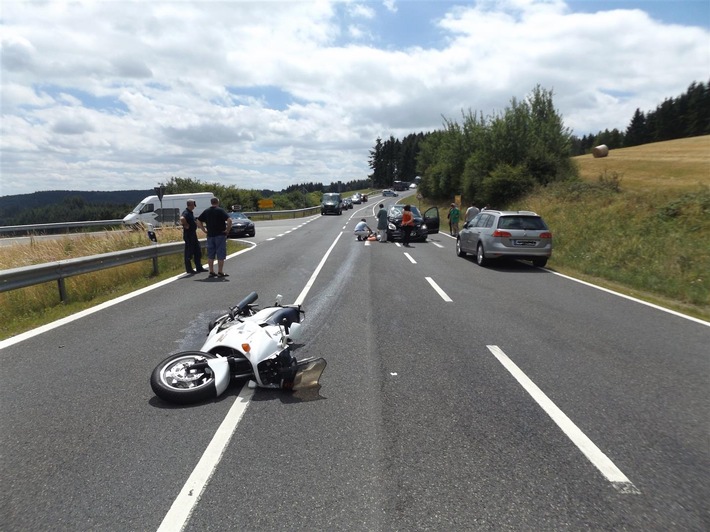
(60, 270)
(39, 228)
(269, 215)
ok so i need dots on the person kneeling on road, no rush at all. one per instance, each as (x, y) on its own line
(362, 230)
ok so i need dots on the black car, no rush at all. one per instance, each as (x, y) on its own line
(423, 225)
(241, 225)
(347, 204)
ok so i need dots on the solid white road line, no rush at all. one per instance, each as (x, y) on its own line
(669, 311)
(587, 446)
(189, 496)
(439, 290)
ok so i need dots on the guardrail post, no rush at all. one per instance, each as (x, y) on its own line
(62, 290)
(155, 266)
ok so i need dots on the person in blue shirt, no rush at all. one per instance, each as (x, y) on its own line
(362, 230)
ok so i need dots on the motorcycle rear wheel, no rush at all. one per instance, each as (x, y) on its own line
(173, 381)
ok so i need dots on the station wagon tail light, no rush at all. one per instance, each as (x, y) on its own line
(500, 233)
(546, 235)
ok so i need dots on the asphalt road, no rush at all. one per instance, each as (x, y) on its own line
(455, 398)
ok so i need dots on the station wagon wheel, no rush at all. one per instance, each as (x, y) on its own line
(480, 256)
(460, 252)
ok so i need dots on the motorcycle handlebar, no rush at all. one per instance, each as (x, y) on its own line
(244, 303)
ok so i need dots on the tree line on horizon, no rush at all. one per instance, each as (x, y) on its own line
(687, 115)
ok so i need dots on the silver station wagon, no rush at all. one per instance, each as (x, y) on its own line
(500, 234)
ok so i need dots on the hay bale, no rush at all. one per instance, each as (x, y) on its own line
(600, 151)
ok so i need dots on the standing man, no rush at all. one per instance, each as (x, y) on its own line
(471, 212)
(407, 224)
(218, 226)
(382, 223)
(189, 235)
(453, 216)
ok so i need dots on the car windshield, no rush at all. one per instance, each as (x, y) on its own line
(530, 223)
(238, 215)
(397, 211)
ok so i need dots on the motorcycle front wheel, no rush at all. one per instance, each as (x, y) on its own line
(176, 379)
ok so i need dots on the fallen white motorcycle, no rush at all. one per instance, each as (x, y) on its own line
(246, 343)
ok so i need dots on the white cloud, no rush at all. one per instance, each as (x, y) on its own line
(117, 95)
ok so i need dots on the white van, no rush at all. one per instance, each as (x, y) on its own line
(152, 211)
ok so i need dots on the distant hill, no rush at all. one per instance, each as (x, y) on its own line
(49, 197)
(51, 206)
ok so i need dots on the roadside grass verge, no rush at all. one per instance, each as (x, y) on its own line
(649, 244)
(638, 222)
(33, 306)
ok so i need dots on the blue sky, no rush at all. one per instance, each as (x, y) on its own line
(103, 95)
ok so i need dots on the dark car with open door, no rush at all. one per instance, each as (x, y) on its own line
(425, 225)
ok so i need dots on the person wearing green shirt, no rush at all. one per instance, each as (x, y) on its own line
(453, 216)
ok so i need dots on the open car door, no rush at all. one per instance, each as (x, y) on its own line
(431, 219)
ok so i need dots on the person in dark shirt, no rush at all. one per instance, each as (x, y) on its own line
(218, 225)
(189, 235)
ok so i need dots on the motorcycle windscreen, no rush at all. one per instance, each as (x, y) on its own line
(308, 373)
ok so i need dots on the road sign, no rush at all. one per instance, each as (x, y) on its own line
(266, 203)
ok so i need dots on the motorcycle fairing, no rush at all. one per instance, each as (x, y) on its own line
(220, 370)
(248, 333)
(276, 370)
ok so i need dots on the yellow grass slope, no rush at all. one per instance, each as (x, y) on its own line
(676, 165)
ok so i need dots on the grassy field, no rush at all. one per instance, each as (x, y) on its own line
(671, 167)
(30, 307)
(638, 222)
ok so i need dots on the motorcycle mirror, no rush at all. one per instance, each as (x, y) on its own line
(284, 324)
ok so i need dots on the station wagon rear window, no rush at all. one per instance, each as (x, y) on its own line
(529, 223)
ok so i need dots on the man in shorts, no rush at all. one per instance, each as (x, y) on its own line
(218, 225)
